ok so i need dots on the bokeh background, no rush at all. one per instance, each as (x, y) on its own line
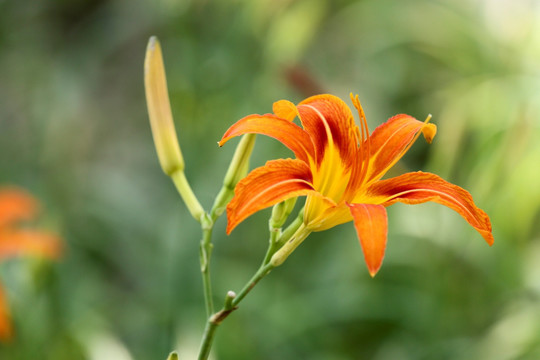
(74, 131)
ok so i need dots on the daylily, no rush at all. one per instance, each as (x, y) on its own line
(339, 167)
(15, 206)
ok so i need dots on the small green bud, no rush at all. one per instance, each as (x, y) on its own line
(281, 211)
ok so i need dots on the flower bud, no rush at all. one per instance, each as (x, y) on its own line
(159, 110)
(240, 163)
(237, 170)
(281, 211)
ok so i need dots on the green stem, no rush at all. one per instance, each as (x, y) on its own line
(275, 233)
(277, 239)
(237, 169)
(291, 229)
(204, 258)
(231, 304)
(262, 272)
(193, 205)
(208, 338)
(290, 245)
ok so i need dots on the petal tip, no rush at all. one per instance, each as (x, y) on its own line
(489, 239)
(373, 271)
(230, 227)
(223, 140)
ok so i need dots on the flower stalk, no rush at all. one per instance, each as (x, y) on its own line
(232, 300)
(205, 253)
(231, 303)
(283, 253)
(189, 198)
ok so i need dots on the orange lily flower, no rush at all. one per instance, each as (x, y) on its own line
(339, 167)
(16, 205)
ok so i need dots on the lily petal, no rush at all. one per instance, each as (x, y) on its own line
(419, 187)
(268, 185)
(288, 133)
(329, 122)
(392, 140)
(371, 225)
(15, 205)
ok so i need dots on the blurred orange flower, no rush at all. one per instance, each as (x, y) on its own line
(339, 167)
(17, 206)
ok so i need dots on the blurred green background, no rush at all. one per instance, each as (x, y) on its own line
(74, 131)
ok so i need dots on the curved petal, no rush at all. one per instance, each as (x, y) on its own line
(329, 123)
(420, 187)
(288, 133)
(391, 140)
(274, 182)
(22, 242)
(371, 225)
(6, 331)
(15, 205)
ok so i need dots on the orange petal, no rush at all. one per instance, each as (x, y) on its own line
(420, 187)
(15, 205)
(268, 185)
(371, 225)
(290, 134)
(285, 110)
(6, 331)
(21, 242)
(329, 122)
(391, 140)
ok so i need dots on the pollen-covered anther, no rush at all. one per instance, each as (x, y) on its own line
(429, 130)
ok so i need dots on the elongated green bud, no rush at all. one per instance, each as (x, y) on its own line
(240, 163)
(159, 110)
(173, 356)
(238, 169)
(163, 131)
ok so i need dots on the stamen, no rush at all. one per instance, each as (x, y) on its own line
(364, 153)
(429, 130)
